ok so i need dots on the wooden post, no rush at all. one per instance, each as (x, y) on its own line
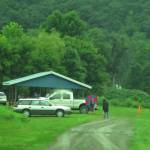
(11, 95)
(44, 92)
(83, 94)
(40, 92)
(15, 94)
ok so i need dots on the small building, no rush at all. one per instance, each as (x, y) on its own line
(45, 80)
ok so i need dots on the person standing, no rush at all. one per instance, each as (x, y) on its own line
(105, 108)
(95, 102)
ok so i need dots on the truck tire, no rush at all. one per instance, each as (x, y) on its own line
(60, 113)
(83, 109)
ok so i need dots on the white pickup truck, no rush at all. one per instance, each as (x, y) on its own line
(65, 98)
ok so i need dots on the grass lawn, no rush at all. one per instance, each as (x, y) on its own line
(19, 133)
(140, 123)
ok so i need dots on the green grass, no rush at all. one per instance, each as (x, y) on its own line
(19, 133)
(140, 123)
(36, 132)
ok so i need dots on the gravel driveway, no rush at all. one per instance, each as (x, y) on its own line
(111, 134)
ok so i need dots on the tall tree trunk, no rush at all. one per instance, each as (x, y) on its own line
(113, 80)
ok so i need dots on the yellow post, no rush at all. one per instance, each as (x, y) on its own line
(139, 109)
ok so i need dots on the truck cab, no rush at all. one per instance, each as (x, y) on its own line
(65, 98)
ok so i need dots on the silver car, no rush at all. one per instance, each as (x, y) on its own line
(3, 98)
(40, 107)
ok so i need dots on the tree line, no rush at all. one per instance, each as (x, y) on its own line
(67, 44)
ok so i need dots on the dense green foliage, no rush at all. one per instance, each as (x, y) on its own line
(128, 98)
(104, 42)
(130, 16)
(7, 114)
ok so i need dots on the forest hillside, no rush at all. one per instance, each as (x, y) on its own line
(99, 42)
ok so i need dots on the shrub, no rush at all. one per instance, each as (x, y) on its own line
(127, 97)
(6, 113)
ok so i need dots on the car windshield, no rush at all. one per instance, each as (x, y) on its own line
(2, 94)
(47, 95)
(56, 96)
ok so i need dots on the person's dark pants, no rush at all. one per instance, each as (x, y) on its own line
(105, 114)
(87, 108)
(92, 107)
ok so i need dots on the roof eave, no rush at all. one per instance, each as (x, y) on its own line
(23, 79)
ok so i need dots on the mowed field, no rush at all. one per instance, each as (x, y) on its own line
(141, 126)
(37, 133)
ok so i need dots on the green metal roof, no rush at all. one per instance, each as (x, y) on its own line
(38, 75)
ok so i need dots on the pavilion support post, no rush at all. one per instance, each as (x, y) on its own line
(83, 94)
(11, 95)
(15, 94)
(45, 92)
(40, 92)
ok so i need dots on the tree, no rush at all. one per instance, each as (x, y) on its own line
(55, 20)
(93, 63)
(12, 31)
(48, 52)
(5, 59)
(17, 40)
(96, 74)
(101, 40)
(118, 51)
(145, 76)
(73, 65)
(68, 24)
(73, 25)
(138, 46)
(135, 76)
(10, 39)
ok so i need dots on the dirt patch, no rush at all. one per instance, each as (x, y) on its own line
(111, 134)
